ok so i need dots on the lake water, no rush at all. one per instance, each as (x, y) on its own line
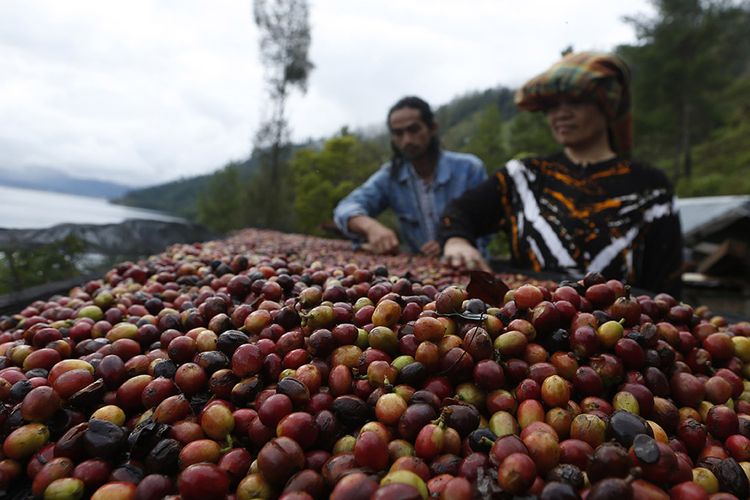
(31, 209)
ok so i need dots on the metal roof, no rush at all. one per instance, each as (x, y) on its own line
(697, 214)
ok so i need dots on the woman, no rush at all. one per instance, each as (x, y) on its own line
(589, 207)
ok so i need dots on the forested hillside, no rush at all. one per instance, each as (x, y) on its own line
(176, 197)
(691, 82)
(180, 197)
(691, 77)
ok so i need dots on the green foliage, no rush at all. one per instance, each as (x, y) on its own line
(231, 201)
(721, 162)
(181, 197)
(470, 104)
(269, 200)
(487, 143)
(284, 37)
(177, 197)
(220, 205)
(691, 80)
(495, 138)
(688, 54)
(23, 268)
(499, 246)
(321, 178)
(482, 135)
(529, 135)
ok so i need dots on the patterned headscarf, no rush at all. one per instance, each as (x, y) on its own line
(603, 77)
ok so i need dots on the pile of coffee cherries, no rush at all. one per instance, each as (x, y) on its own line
(283, 366)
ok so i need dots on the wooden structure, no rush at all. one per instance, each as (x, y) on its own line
(716, 232)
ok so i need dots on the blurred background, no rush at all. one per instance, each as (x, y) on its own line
(128, 126)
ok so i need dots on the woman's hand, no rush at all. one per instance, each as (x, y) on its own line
(460, 253)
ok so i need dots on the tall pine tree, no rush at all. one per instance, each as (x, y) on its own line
(284, 36)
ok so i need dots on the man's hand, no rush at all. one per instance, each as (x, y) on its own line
(431, 248)
(381, 240)
(459, 253)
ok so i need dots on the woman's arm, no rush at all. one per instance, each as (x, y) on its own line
(476, 213)
(662, 256)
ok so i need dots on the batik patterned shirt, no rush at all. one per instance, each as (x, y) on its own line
(616, 217)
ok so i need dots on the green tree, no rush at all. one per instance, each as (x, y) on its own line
(284, 34)
(688, 52)
(266, 199)
(221, 205)
(721, 161)
(690, 87)
(469, 105)
(529, 134)
(21, 268)
(321, 178)
(487, 141)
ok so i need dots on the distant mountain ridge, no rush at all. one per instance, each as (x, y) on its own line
(49, 179)
(180, 197)
(175, 197)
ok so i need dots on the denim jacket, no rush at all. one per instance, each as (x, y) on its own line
(455, 173)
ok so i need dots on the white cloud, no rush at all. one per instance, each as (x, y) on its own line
(147, 91)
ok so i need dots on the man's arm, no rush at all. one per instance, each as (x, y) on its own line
(380, 239)
(355, 214)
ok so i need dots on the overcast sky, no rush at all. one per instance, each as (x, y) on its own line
(146, 91)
